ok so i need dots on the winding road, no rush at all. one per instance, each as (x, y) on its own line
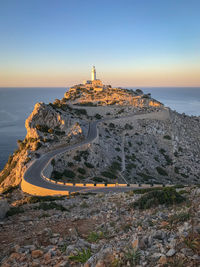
(33, 174)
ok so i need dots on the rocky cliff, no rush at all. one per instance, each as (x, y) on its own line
(142, 142)
(47, 127)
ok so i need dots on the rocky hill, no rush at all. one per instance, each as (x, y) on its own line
(139, 140)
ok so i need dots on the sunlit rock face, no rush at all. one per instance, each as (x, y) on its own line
(43, 115)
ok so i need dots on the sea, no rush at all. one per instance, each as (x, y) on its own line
(16, 104)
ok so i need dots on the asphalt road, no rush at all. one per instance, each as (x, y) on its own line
(33, 173)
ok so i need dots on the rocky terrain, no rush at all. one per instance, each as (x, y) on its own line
(149, 150)
(139, 140)
(152, 227)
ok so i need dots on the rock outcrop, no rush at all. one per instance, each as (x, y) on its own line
(43, 115)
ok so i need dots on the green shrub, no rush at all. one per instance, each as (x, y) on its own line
(154, 198)
(68, 173)
(167, 137)
(130, 166)
(81, 256)
(108, 174)
(179, 186)
(111, 125)
(9, 189)
(80, 154)
(132, 256)
(146, 96)
(80, 111)
(36, 199)
(38, 145)
(14, 210)
(115, 166)
(81, 177)
(168, 159)
(84, 205)
(59, 132)
(162, 151)
(53, 162)
(145, 176)
(42, 128)
(176, 169)
(95, 236)
(70, 164)
(128, 126)
(50, 206)
(89, 165)
(98, 116)
(89, 104)
(99, 179)
(81, 170)
(161, 171)
(156, 158)
(56, 175)
(77, 158)
(145, 190)
(180, 217)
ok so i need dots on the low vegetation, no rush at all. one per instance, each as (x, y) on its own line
(167, 196)
(81, 256)
(95, 236)
(49, 206)
(161, 171)
(132, 256)
(14, 210)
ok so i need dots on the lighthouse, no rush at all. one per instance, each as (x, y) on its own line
(94, 83)
(93, 73)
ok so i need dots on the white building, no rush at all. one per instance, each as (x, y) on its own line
(93, 74)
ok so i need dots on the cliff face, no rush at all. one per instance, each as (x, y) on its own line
(43, 115)
(47, 127)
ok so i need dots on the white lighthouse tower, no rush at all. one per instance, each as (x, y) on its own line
(93, 73)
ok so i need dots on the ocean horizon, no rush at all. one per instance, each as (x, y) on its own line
(17, 103)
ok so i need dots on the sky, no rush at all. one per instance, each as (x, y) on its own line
(50, 43)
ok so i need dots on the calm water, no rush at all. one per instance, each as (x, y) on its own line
(17, 103)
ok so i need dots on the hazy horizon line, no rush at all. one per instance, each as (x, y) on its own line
(113, 87)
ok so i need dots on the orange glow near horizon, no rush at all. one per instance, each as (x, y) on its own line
(151, 77)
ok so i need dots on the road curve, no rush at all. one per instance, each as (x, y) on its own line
(33, 176)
